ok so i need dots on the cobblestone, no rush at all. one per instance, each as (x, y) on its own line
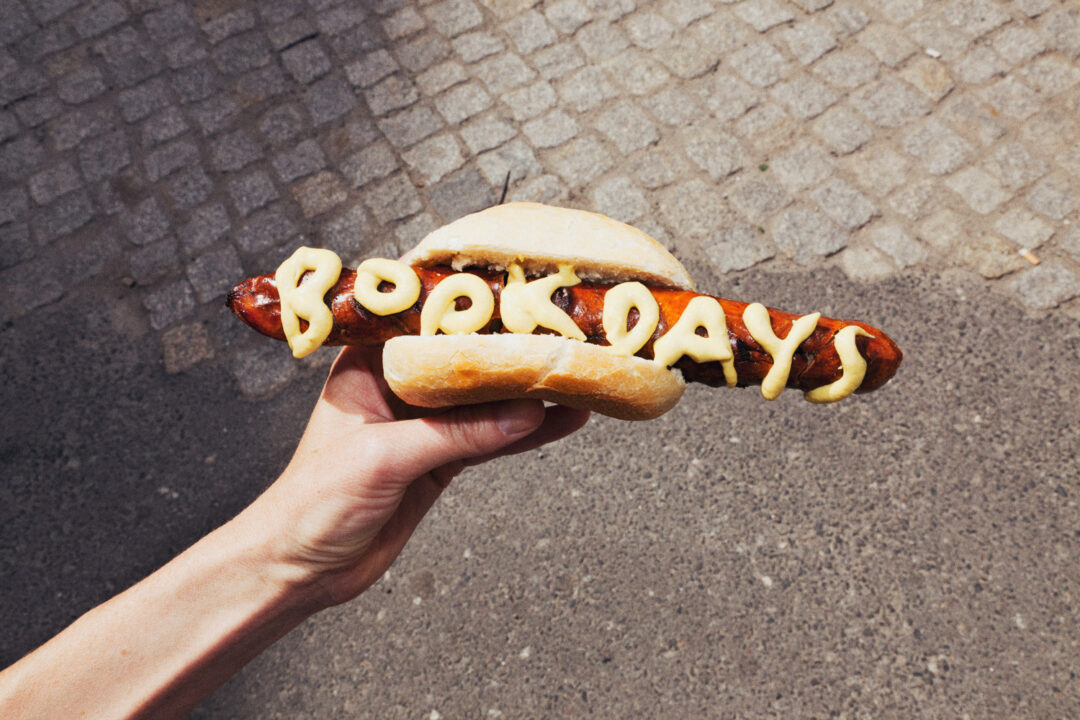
(329, 99)
(805, 235)
(486, 133)
(693, 210)
(989, 255)
(348, 234)
(453, 17)
(558, 60)
(551, 130)
(185, 346)
(372, 68)
(1053, 197)
(764, 14)
(1046, 286)
(738, 247)
(50, 184)
(410, 126)
(62, 217)
(942, 150)
(169, 304)
(252, 191)
(760, 64)
(101, 157)
(153, 261)
(802, 167)
(980, 190)
(847, 68)
(630, 128)
(844, 204)
(319, 193)
(392, 199)
(207, 225)
(306, 62)
(619, 198)
(477, 46)
(586, 88)
(265, 230)
(462, 193)
(441, 77)
(567, 15)
(435, 157)
(530, 32)
(580, 161)
(462, 102)
(898, 244)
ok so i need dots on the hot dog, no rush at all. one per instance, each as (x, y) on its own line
(570, 337)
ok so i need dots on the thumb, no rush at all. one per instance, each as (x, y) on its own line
(421, 445)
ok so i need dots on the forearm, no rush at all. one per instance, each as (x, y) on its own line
(165, 644)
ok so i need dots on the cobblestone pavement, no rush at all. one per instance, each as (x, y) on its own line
(171, 149)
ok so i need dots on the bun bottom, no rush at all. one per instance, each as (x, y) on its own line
(448, 370)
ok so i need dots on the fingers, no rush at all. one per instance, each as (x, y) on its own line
(356, 386)
(415, 447)
(559, 421)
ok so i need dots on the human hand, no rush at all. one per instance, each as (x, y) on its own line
(369, 467)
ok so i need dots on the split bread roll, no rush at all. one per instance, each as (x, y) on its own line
(456, 369)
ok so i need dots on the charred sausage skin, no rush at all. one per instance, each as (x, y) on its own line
(815, 363)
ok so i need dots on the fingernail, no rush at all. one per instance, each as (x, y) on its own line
(519, 417)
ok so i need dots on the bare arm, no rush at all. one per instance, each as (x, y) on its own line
(326, 530)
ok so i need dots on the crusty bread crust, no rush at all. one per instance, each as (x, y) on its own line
(541, 237)
(443, 370)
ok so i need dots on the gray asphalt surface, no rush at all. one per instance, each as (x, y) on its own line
(910, 553)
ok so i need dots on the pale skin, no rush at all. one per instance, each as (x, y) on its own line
(366, 472)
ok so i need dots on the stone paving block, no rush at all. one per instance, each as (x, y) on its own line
(580, 161)
(619, 198)
(941, 150)
(336, 20)
(348, 235)
(693, 210)
(189, 187)
(62, 217)
(979, 65)
(1062, 27)
(169, 304)
(655, 167)
(813, 5)
(144, 223)
(551, 130)
(9, 126)
(371, 68)
(32, 112)
(802, 167)
(684, 12)
(50, 184)
(207, 225)
(1054, 197)
(329, 99)
(586, 88)
(1071, 242)
(611, 10)
(163, 161)
(938, 39)
(973, 119)
(929, 76)
(648, 30)
(365, 37)
(674, 107)
(865, 264)
(462, 102)
(435, 158)
(462, 193)
(806, 235)
(23, 155)
(1011, 97)
(1051, 75)
(1018, 44)
(319, 193)
(281, 124)
(915, 200)
(808, 41)
(901, 247)
(263, 370)
(233, 151)
(630, 128)
(302, 160)
(16, 245)
(989, 255)
(889, 103)
(515, 160)
(453, 17)
(546, 189)
(14, 205)
(1024, 228)
(567, 15)
(1046, 286)
(530, 32)
(185, 346)
(976, 17)
(104, 156)
(477, 46)
(760, 64)
(291, 32)
(98, 17)
(241, 53)
(486, 133)
(528, 102)
(403, 23)
(228, 24)
(153, 261)
(392, 199)
(848, 19)
(843, 130)
(184, 52)
(738, 247)
(848, 68)
(420, 54)
(214, 113)
(757, 199)
(441, 77)
(194, 83)
(980, 190)
(1033, 8)
(764, 14)
(844, 204)
(557, 60)
(252, 191)
(306, 62)
(503, 72)
(637, 72)
(413, 231)
(410, 126)
(600, 40)
(393, 93)
(264, 230)
(804, 96)
(164, 126)
(261, 84)
(85, 83)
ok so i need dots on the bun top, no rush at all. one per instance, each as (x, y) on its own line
(541, 237)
